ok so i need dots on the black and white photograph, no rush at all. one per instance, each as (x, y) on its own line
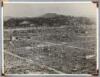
(50, 38)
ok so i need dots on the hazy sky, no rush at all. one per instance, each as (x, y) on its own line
(38, 9)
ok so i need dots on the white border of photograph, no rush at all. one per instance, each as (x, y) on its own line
(51, 75)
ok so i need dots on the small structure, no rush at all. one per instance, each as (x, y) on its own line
(25, 23)
(32, 25)
(13, 38)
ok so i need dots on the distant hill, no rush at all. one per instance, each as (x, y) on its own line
(48, 19)
(50, 15)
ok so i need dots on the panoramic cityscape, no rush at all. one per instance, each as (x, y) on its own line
(50, 38)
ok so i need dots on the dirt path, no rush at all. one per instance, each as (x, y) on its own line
(31, 61)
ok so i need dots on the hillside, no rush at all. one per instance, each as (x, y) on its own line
(49, 20)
